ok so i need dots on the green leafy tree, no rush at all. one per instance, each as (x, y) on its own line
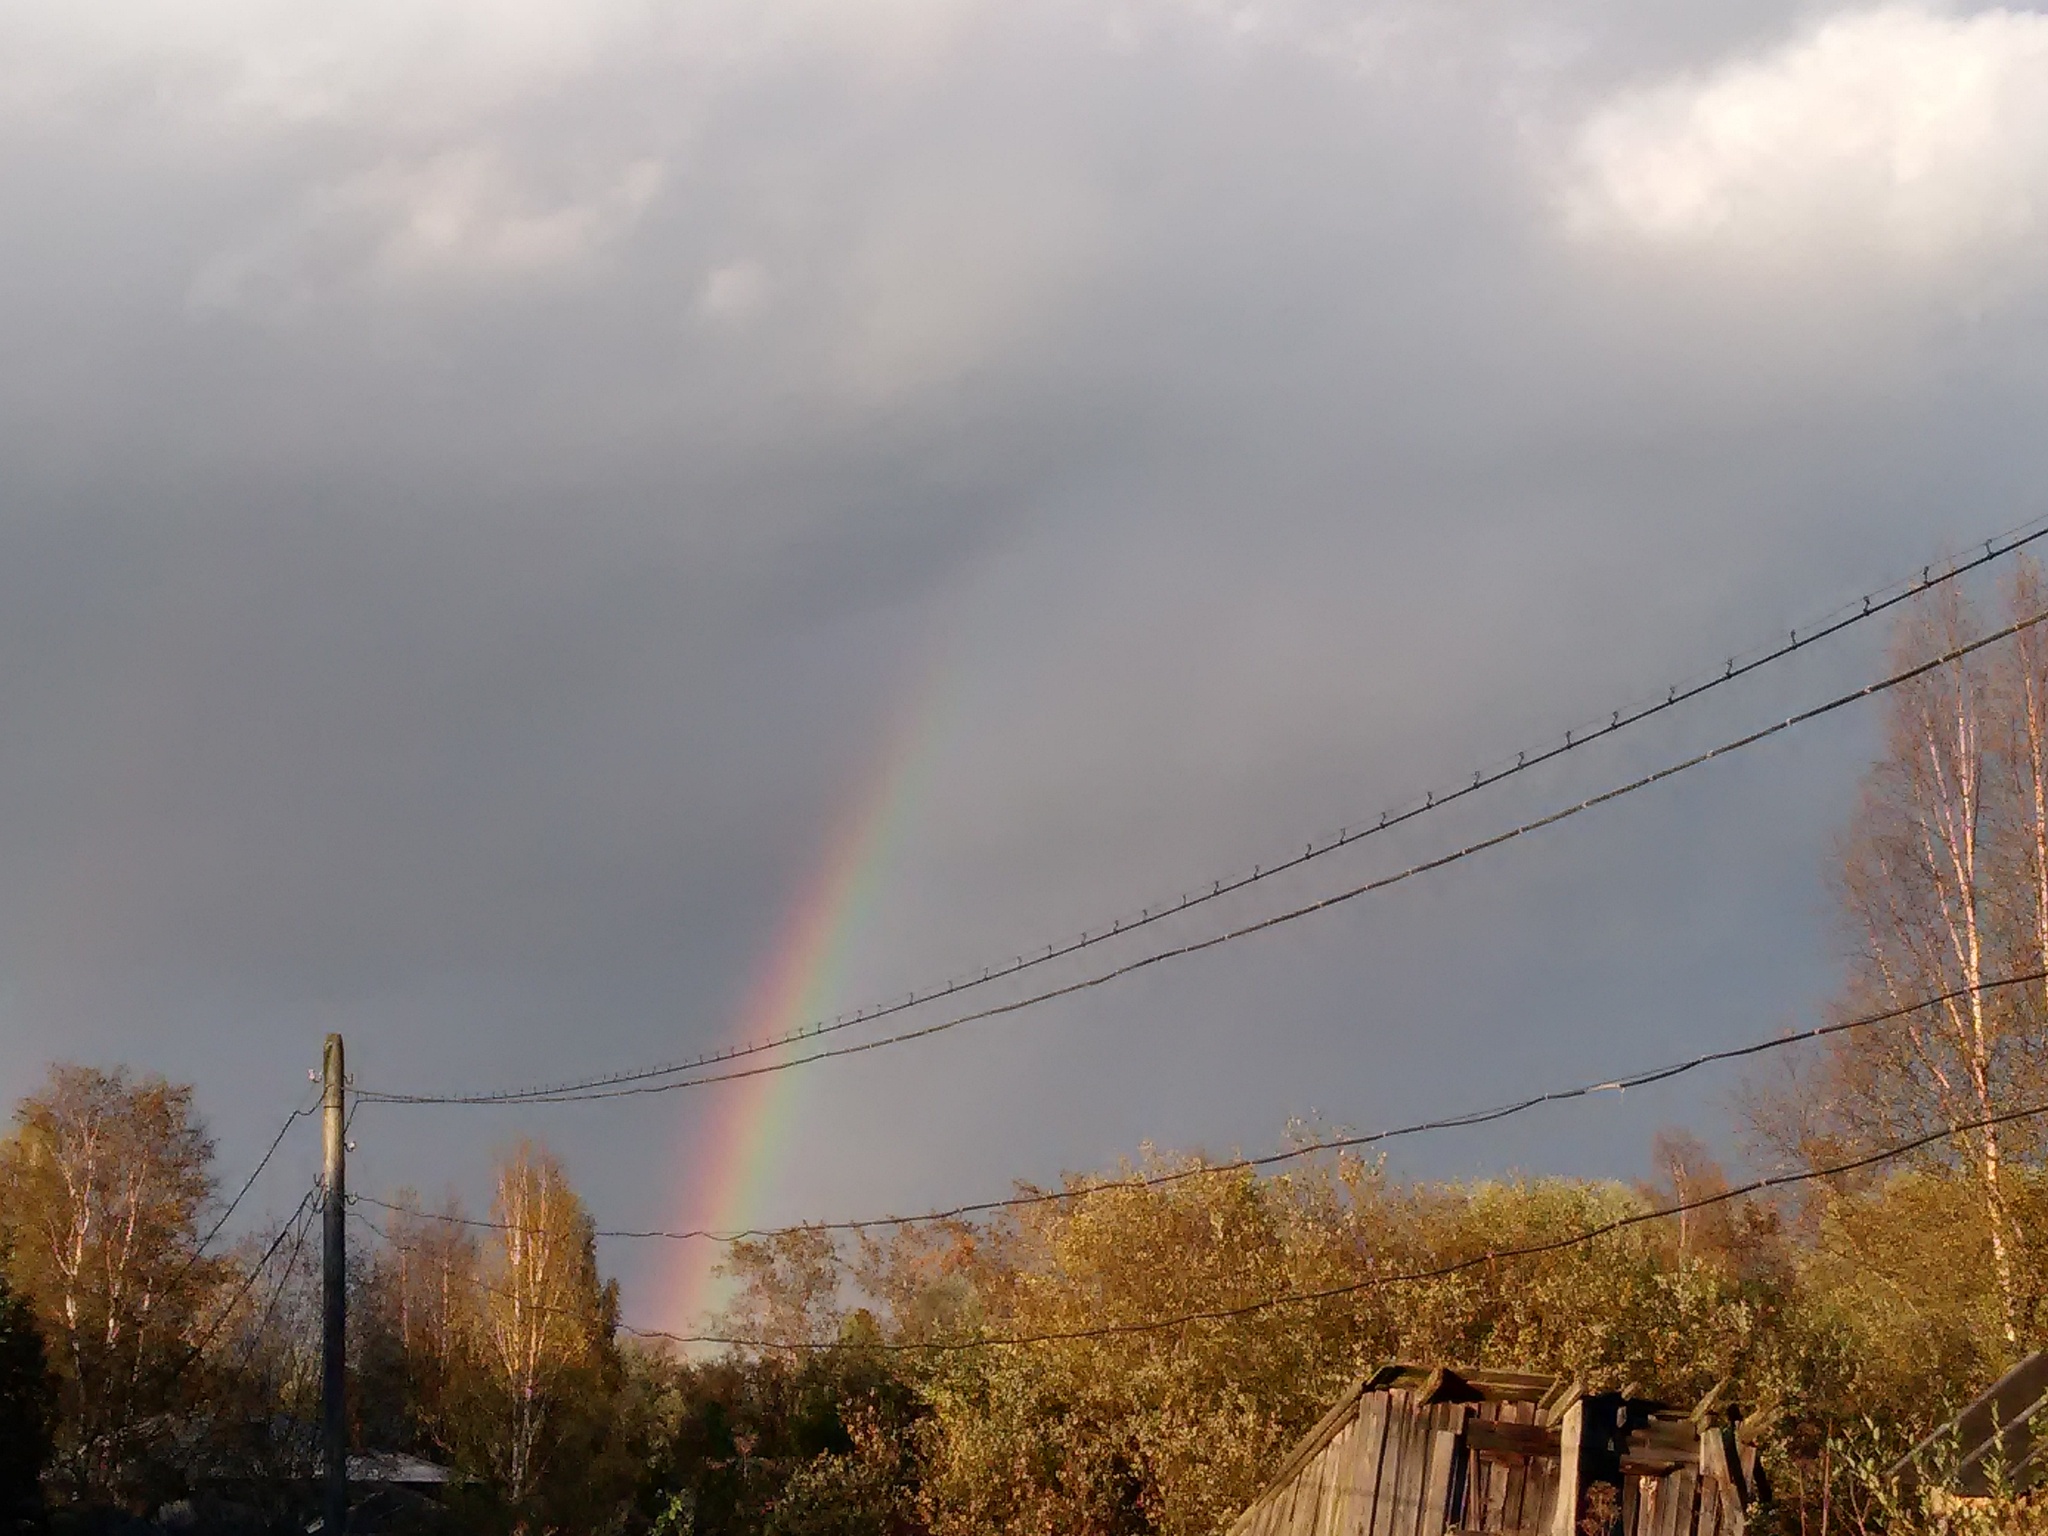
(822, 1442)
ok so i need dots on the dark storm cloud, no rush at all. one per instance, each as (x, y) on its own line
(481, 481)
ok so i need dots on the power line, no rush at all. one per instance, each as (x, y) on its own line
(1245, 930)
(247, 1185)
(1303, 1298)
(1469, 1119)
(302, 1224)
(1869, 606)
(254, 1174)
(249, 1280)
(475, 1282)
(1409, 1277)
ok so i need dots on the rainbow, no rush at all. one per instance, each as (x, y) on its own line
(731, 1159)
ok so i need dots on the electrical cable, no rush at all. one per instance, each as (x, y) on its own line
(1471, 1118)
(247, 1185)
(249, 1280)
(1437, 1272)
(476, 1282)
(1870, 606)
(1245, 930)
(1324, 1293)
(303, 1224)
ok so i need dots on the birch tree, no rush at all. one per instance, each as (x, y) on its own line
(545, 1317)
(104, 1180)
(419, 1336)
(1944, 886)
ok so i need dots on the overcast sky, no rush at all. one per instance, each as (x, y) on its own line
(493, 491)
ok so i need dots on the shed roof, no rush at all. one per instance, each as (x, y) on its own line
(396, 1469)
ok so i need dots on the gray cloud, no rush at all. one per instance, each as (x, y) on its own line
(481, 489)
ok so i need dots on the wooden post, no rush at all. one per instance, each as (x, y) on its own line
(1721, 1481)
(1571, 1436)
(334, 1291)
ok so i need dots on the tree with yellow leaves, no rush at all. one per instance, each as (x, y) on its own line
(544, 1318)
(1944, 888)
(101, 1187)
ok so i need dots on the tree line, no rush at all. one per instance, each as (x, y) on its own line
(900, 1383)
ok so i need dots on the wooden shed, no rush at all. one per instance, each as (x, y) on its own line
(1411, 1451)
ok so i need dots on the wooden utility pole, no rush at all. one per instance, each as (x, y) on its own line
(334, 1291)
